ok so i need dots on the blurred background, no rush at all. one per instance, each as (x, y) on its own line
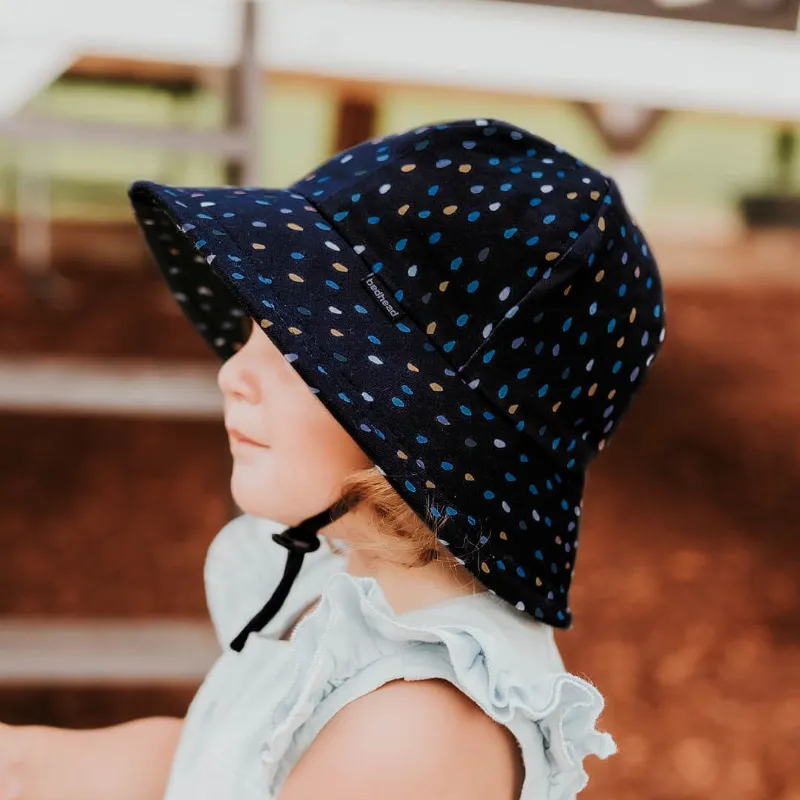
(114, 465)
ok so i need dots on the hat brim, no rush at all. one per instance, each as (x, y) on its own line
(273, 256)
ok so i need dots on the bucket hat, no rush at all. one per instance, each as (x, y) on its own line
(472, 303)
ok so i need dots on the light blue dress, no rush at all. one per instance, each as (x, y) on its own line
(257, 711)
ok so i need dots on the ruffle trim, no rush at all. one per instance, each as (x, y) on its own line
(564, 707)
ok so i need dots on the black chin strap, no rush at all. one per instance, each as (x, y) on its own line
(299, 540)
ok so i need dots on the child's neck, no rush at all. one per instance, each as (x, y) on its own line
(407, 588)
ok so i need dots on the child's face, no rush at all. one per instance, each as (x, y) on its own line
(289, 453)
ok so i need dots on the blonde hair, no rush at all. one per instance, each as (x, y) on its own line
(401, 533)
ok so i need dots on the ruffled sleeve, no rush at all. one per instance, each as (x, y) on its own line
(354, 643)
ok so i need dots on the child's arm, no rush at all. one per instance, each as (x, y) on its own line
(125, 762)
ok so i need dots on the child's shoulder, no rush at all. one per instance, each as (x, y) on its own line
(423, 738)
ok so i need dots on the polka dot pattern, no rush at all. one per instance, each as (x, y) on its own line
(472, 303)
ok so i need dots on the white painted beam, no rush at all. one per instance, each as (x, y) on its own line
(39, 652)
(26, 70)
(30, 127)
(469, 44)
(109, 387)
(566, 53)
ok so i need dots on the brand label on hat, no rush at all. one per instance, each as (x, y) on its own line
(382, 295)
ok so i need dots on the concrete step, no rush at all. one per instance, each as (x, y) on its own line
(120, 387)
(109, 653)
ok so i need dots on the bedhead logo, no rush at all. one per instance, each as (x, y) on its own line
(381, 293)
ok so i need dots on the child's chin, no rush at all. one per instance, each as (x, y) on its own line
(249, 495)
(261, 493)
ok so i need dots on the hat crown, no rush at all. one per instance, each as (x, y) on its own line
(519, 261)
(473, 304)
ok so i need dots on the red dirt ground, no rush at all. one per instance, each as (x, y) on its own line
(686, 593)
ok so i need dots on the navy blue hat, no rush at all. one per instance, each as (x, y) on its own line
(472, 303)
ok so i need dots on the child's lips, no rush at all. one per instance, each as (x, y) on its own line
(239, 438)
